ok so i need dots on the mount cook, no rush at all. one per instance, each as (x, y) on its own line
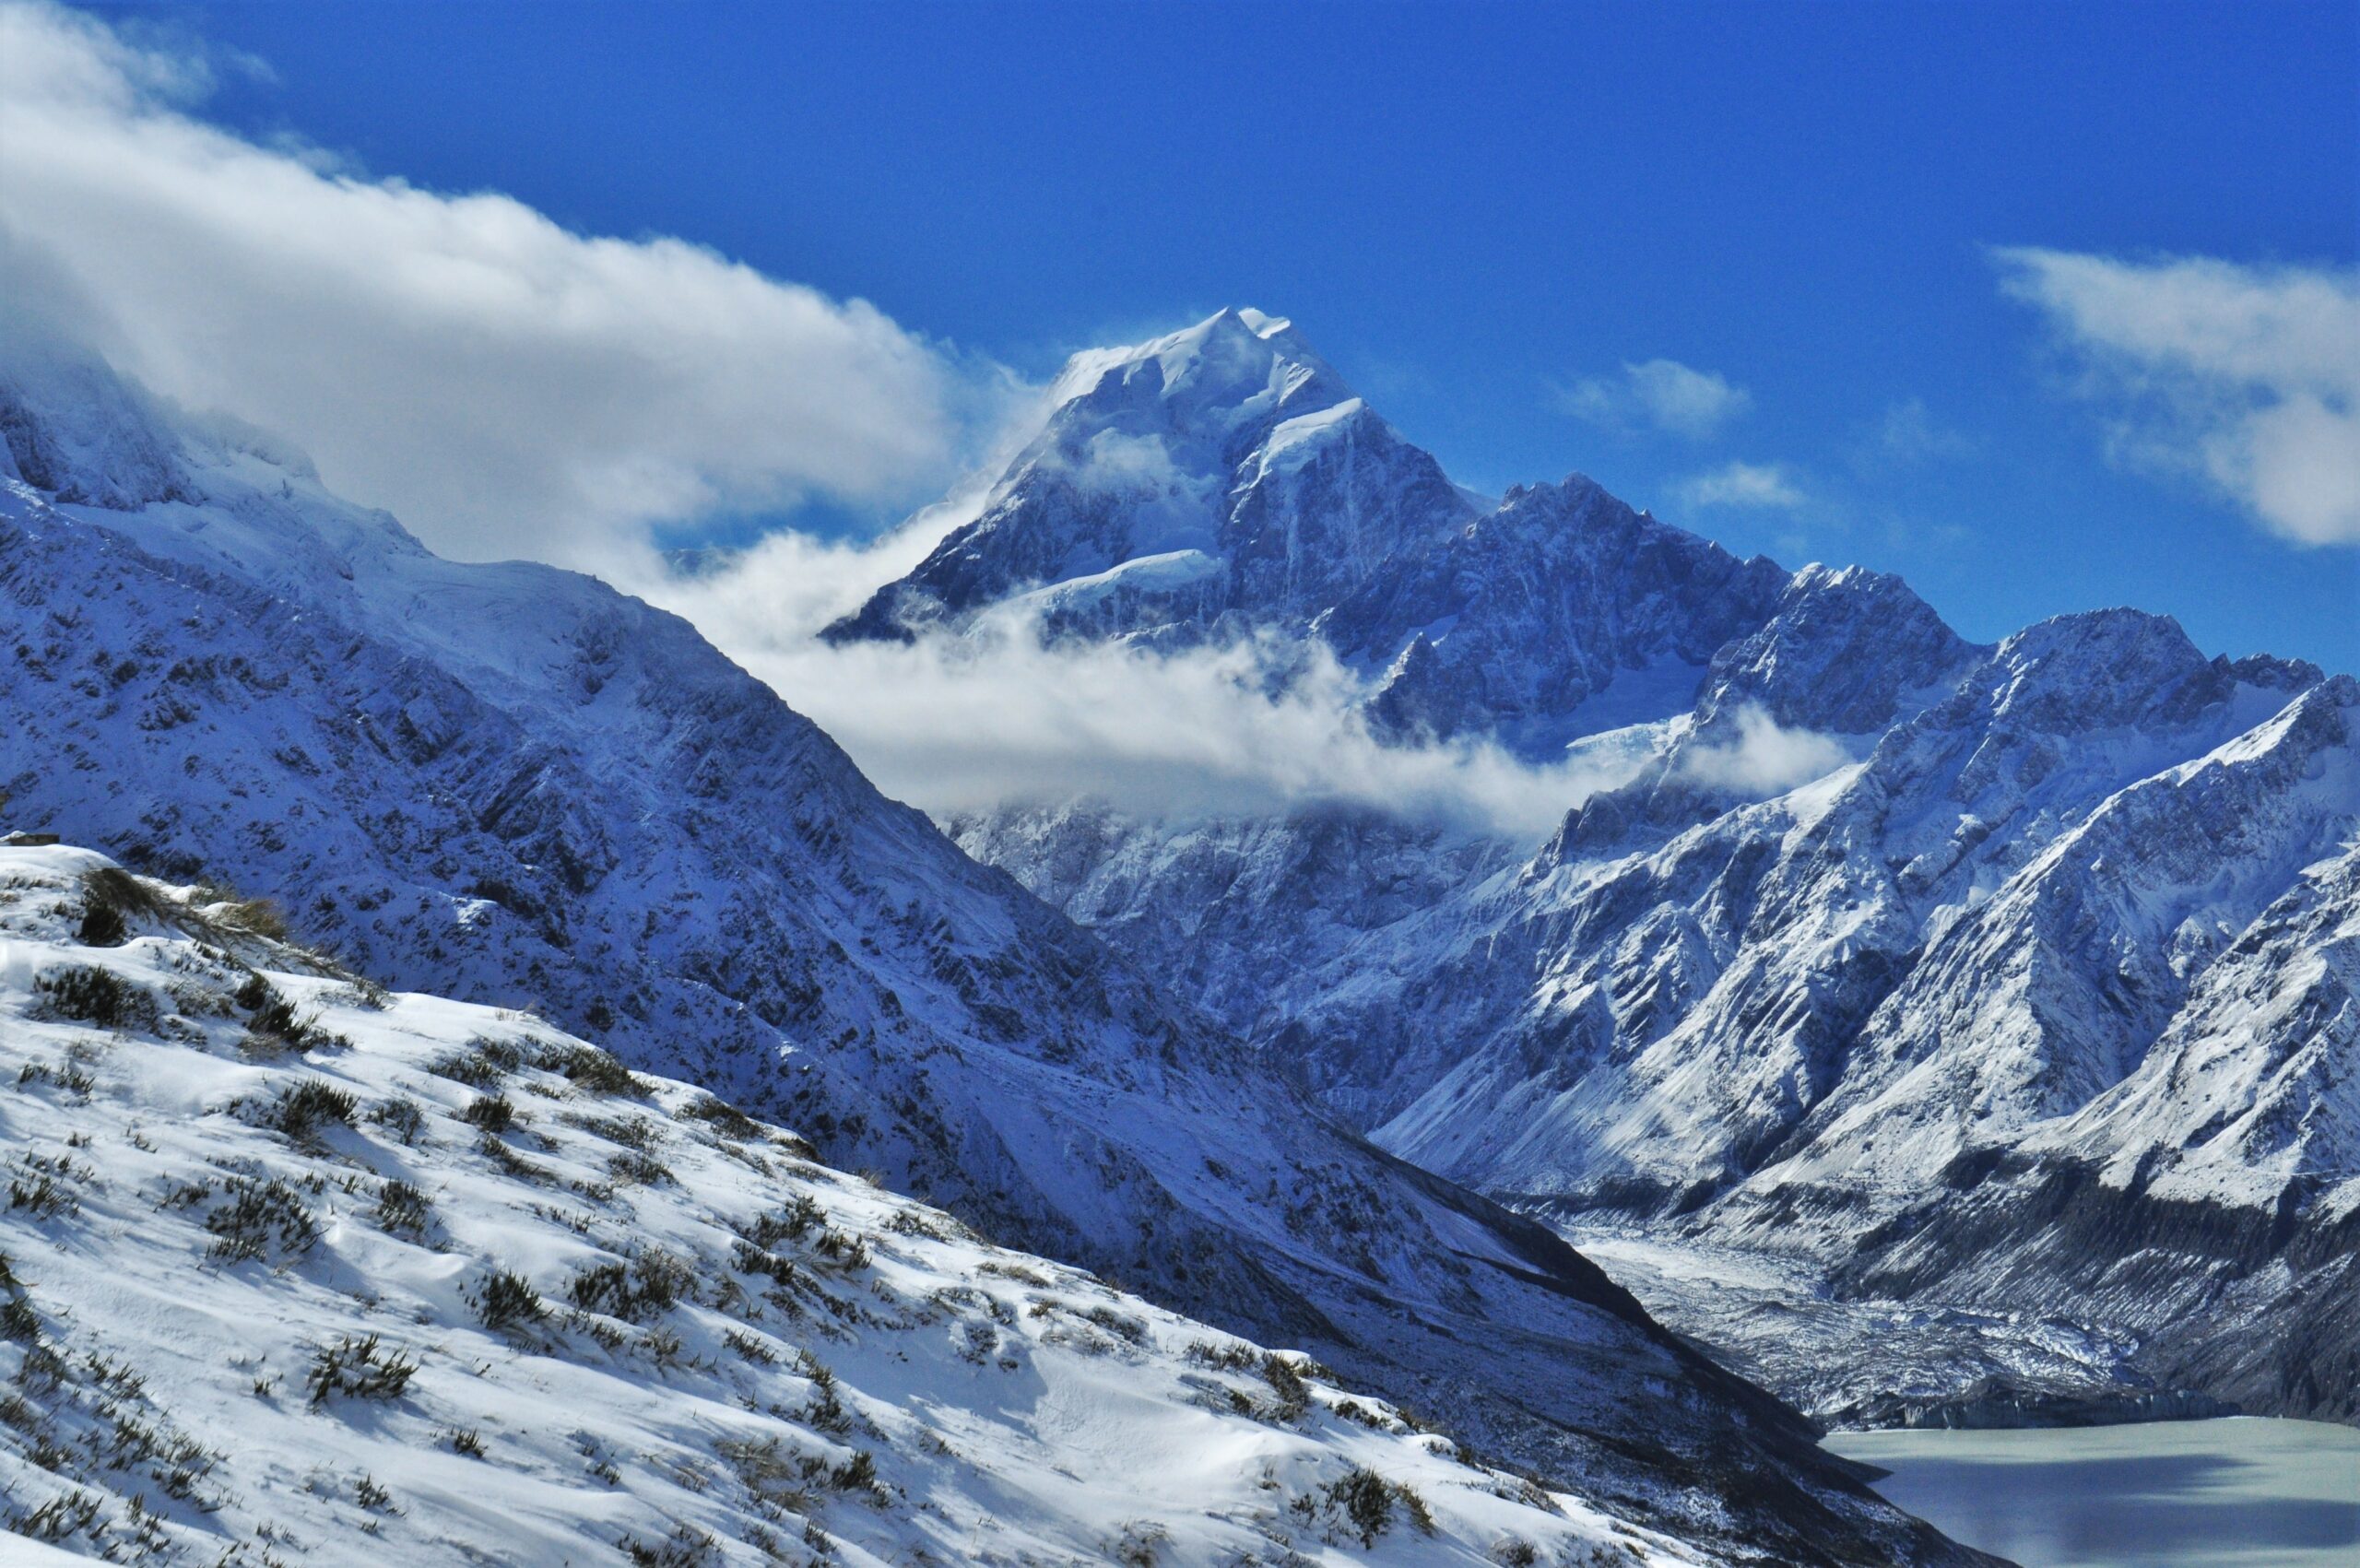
(1995, 1064)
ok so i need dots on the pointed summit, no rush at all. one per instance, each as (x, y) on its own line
(1218, 475)
(1232, 371)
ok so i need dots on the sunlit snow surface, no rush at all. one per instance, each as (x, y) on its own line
(1011, 1409)
(2237, 1494)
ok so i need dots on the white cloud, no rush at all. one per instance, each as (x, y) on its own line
(1744, 484)
(2247, 375)
(506, 385)
(1909, 435)
(1664, 394)
(955, 723)
(1763, 758)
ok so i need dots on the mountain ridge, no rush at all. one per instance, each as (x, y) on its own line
(528, 790)
(1653, 1012)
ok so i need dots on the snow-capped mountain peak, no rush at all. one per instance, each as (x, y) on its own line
(1232, 369)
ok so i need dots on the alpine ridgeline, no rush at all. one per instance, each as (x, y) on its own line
(1989, 1010)
(511, 785)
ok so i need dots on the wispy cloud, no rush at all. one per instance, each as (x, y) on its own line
(1737, 484)
(2248, 376)
(1762, 757)
(1907, 436)
(509, 387)
(1662, 394)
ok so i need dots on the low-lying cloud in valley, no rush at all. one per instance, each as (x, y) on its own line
(956, 723)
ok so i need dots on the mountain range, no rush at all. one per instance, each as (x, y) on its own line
(1918, 1030)
(514, 787)
(1996, 1002)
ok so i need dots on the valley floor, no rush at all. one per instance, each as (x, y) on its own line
(1867, 1362)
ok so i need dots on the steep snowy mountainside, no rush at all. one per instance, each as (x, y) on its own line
(1925, 1022)
(1218, 470)
(1276, 926)
(1914, 985)
(515, 786)
(296, 1267)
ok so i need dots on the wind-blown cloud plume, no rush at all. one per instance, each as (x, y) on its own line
(2248, 375)
(506, 385)
(1744, 484)
(1664, 394)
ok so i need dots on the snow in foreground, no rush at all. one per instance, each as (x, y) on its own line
(297, 1270)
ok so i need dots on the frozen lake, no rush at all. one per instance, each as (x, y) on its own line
(2240, 1494)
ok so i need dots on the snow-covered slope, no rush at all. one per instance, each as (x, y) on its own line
(511, 785)
(296, 1269)
(1962, 978)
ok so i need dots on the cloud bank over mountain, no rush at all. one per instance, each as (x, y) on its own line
(508, 386)
(962, 722)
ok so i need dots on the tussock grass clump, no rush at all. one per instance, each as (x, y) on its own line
(1236, 1357)
(587, 1068)
(826, 1411)
(402, 1210)
(749, 1347)
(224, 905)
(112, 901)
(492, 1113)
(1362, 1503)
(910, 1223)
(19, 1322)
(686, 1547)
(39, 1188)
(402, 1116)
(633, 1167)
(779, 1481)
(84, 993)
(785, 1224)
(257, 1214)
(724, 1117)
(273, 1026)
(61, 1519)
(1294, 1395)
(625, 1132)
(508, 1300)
(311, 1104)
(359, 1368)
(483, 1062)
(651, 1284)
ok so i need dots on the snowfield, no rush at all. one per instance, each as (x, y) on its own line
(298, 1270)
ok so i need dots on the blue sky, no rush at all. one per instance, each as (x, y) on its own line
(1481, 214)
